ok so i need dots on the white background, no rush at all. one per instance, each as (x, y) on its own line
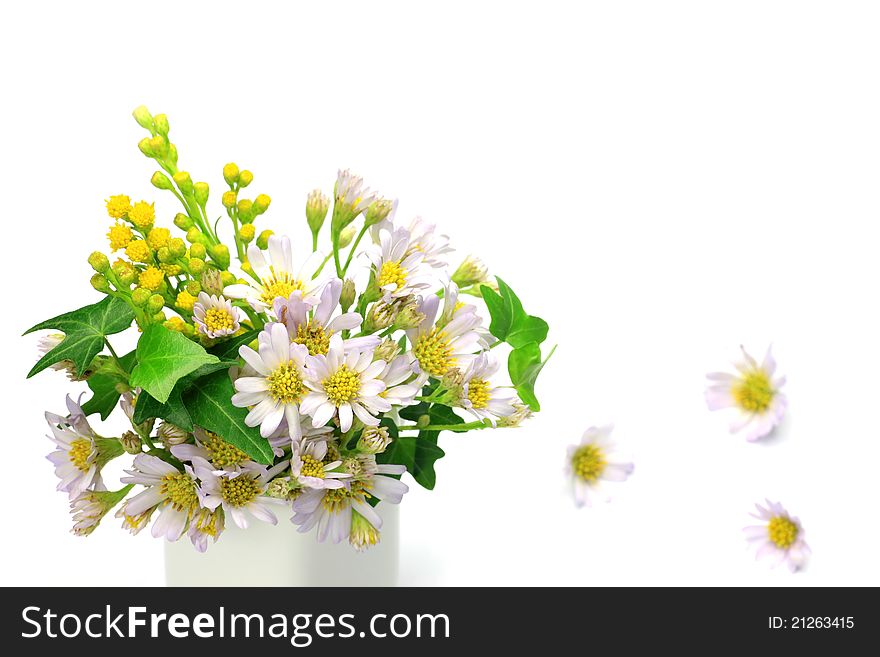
(660, 181)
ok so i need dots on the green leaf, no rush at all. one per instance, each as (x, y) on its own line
(103, 386)
(415, 453)
(510, 323)
(440, 414)
(174, 410)
(414, 412)
(164, 357)
(228, 349)
(209, 401)
(84, 332)
(524, 364)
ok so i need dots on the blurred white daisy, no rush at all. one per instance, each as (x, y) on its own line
(754, 392)
(440, 348)
(215, 316)
(239, 493)
(483, 400)
(274, 392)
(780, 537)
(278, 276)
(399, 268)
(590, 463)
(344, 383)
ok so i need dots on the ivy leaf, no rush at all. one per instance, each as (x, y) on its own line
(228, 349)
(209, 401)
(174, 409)
(414, 412)
(439, 414)
(510, 323)
(164, 357)
(415, 453)
(84, 332)
(103, 386)
(524, 364)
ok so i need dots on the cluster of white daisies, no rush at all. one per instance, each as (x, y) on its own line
(330, 363)
(753, 395)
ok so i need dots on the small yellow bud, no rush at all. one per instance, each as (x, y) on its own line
(200, 191)
(245, 178)
(159, 317)
(161, 181)
(220, 254)
(119, 235)
(263, 239)
(193, 287)
(138, 251)
(197, 250)
(196, 266)
(124, 272)
(151, 279)
(142, 215)
(184, 182)
(158, 237)
(170, 269)
(99, 262)
(140, 297)
(159, 146)
(194, 235)
(227, 278)
(118, 206)
(228, 199)
(182, 221)
(247, 232)
(174, 324)
(261, 203)
(246, 211)
(172, 154)
(164, 255)
(142, 116)
(246, 267)
(146, 148)
(185, 301)
(378, 211)
(230, 173)
(100, 283)
(160, 121)
(178, 247)
(347, 295)
(317, 205)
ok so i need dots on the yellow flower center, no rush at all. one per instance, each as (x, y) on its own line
(434, 353)
(179, 491)
(342, 386)
(119, 235)
(151, 278)
(589, 463)
(311, 467)
(142, 214)
(138, 251)
(313, 336)
(239, 491)
(279, 284)
(80, 450)
(392, 274)
(335, 499)
(159, 237)
(754, 392)
(478, 393)
(118, 206)
(782, 532)
(206, 521)
(285, 383)
(185, 301)
(218, 319)
(222, 454)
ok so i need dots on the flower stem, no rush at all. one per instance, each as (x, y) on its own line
(353, 249)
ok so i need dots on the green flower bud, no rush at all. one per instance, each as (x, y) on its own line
(177, 247)
(100, 283)
(246, 211)
(124, 272)
(160, 121)
(143, 117)
(227, 277)
(155, 303)
(245, 178)
(317, 205)
(220, 254)
(347, 295)
(261, 203)
(140, 296)
(228, 199)
(164, 255)
(159, 317)
(193, 287)
(184, 182)
(172, 154)
(194, 235)
(196, 266)
(161, 181)
(197, 250)
(99, 262)
(346, 236)
(470, 272)
(182, 221)
(263, 239)
(131, 442)
(230, 173)
(159, 146)
(378, 211)
(246, 232)
(145, 147)
(212, 281)
(200, 191)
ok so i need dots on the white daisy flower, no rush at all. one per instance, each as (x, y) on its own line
(239, 493)
(344, 383)
(134, 523)
(351, 197)
(483, 400)
(80, 453)
(313, 327)
(402, 383)
(206, 525)
(755, 393)
(276, 389)
(281, 440)
(215, 316)
(308, 468)
(426, 241)
(173, 492)
(399, 267)
(439, 348)
(278, 277)
(779, 538)
(588, 465)
(88, 509)
(211, 447)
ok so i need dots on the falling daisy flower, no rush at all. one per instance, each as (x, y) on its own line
(215, 316)
(344, 383)
(780, 537)
(275, 391)
(481, 398)
(240, 493)
(278, 277)
(589, 464)
(755, 393)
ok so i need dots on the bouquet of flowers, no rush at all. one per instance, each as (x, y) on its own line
(313, 378)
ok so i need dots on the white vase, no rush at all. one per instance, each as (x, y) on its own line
(278, 555)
